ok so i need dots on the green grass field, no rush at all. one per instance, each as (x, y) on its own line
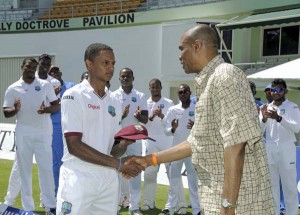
(5, 169)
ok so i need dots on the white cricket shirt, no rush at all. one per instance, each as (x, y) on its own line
(157, 127)
(183, 115)
(285, 130)
(135, 99)
(31, 96)
(95, 118)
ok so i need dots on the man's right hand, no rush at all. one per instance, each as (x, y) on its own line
(174, 125)
(126, 111)
(264, 110)
(17, 105)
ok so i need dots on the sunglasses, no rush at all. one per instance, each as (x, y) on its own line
(277, 90)
(180, 92)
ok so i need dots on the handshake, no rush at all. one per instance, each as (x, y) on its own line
(131, 166)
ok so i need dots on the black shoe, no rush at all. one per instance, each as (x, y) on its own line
(165, 211)
(52, 211)
(282, 211)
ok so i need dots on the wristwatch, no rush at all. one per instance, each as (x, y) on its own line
(227, 204)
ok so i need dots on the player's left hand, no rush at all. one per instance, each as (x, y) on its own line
(42, 109)
(158, 112)
(57, 90)
(271, 114)
(190, 124)
(137, 112)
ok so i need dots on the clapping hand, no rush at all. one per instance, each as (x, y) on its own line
(137, 112)
(17, 105)
(174, 125)
(268, 113)
(42, 109)
(126, 111)
(157, 112)
(190, 124)
(57, 90)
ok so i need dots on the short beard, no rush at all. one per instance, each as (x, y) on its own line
(30, 76)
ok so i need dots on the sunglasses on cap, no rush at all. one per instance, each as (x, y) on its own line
(180, 92)
(44, 56)
(277, 90)
(268, 91)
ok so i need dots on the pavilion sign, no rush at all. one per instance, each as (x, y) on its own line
(66, 24)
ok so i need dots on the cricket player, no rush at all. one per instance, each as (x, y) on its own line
(281, 120)
(14, 185)
(134, 106)
(179, 122)
(26, 99)
(88, 181)
(158, 106)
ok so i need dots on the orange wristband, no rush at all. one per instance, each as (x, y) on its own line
(154, 159)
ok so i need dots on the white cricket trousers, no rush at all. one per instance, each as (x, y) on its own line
(87, 190)
(38, 145)
(14, 184)
(135, 183)
(123, 189)
(150, 174)
(282, 165)
(176, 184)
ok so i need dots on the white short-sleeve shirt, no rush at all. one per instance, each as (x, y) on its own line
(135, 99)
(157, 127)
(96, 119)
(53, 81)
(183, 115)
(32, 96)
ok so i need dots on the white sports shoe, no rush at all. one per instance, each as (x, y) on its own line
(135, 212)
(166, 211)
(8, 203)
(146, 208)
(181, 211)
(125, 201)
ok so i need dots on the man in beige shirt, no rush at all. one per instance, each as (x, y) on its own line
(225, 142)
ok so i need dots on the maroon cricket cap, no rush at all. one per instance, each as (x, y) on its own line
(133, 132)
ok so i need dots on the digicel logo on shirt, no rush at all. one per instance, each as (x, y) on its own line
(94, 107)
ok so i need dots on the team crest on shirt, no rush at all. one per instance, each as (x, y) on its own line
(111, 110)
(37, 88)
(191, 113)
(66, 208)
(161, 106)
(282, 111)
(133, 99)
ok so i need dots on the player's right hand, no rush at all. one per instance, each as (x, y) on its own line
(17, 104)
(126, 111)
(130, 169)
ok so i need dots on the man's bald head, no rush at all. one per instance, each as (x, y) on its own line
(198, 47)
(203, 33)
